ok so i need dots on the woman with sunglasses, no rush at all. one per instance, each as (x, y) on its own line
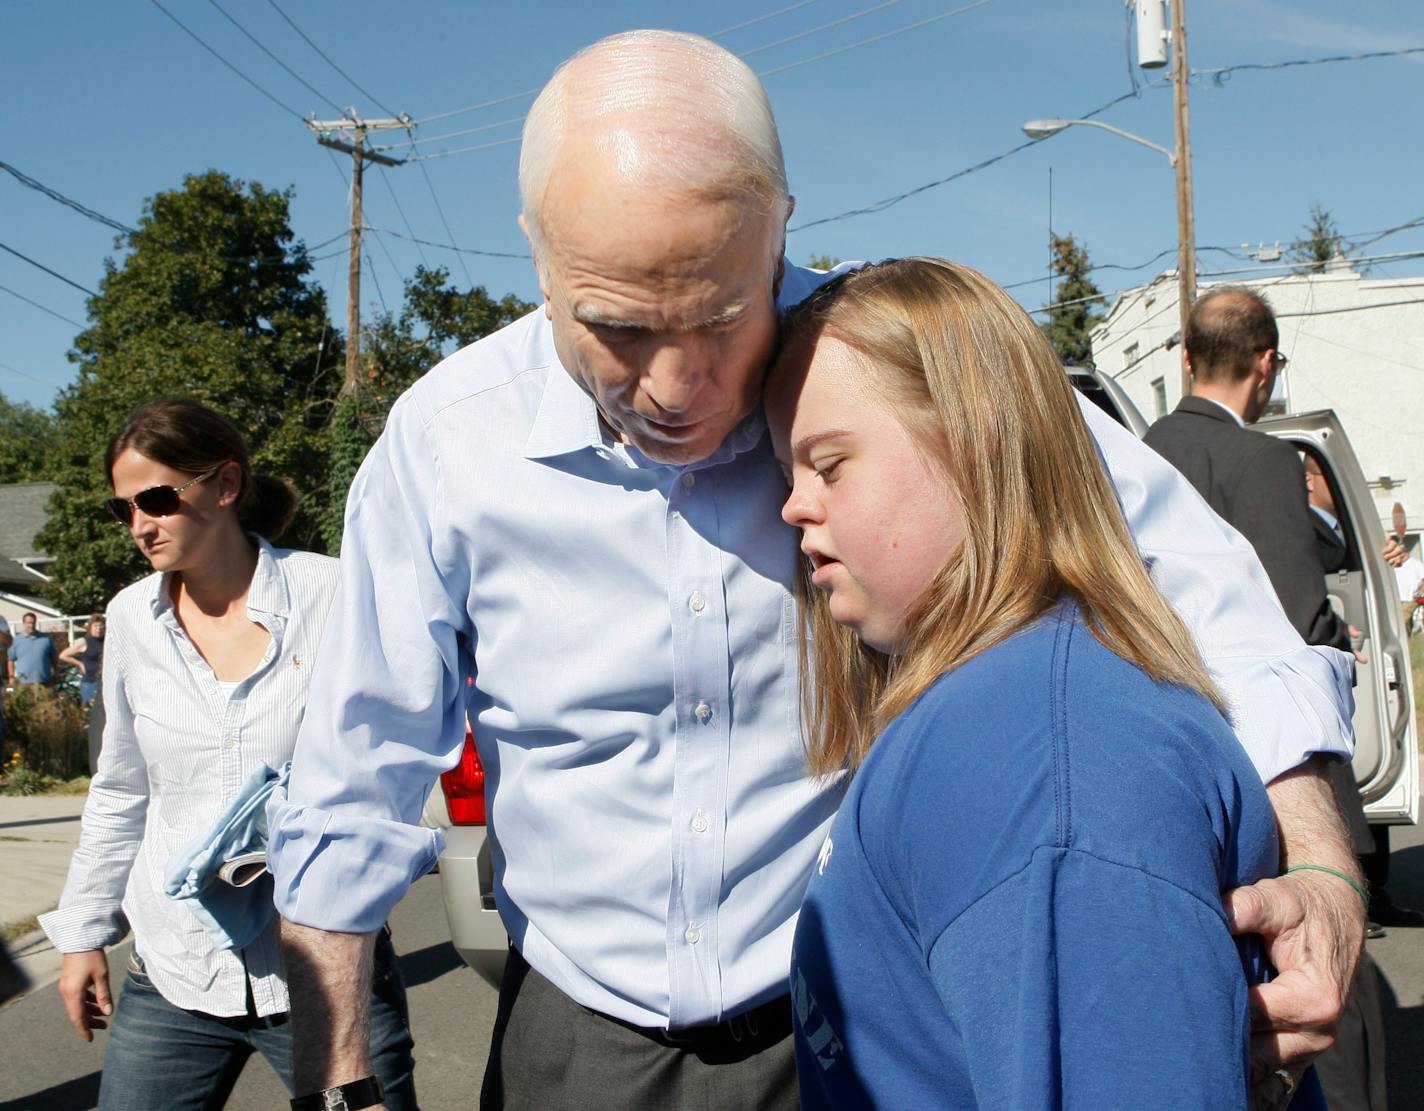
(204, 681)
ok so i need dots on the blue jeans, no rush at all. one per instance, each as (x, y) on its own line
(88, 688)
(163, 1058)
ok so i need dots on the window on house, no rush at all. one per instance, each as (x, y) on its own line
(1159, 396)
(1129, 355)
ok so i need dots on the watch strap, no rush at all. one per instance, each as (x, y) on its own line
(366, 1092)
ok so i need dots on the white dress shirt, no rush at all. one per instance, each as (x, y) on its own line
(629, 627)
(177, 751)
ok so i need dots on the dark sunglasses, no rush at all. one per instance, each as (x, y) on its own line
(156, 501)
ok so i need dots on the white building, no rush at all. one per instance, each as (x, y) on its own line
(1356, 345)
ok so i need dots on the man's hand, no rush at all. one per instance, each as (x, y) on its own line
(1357, 638)
(1395, 553)
(84, 986)
(1313, 926)
(329, 981)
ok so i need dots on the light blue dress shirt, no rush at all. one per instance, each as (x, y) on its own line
(630, 630)
(178, 752)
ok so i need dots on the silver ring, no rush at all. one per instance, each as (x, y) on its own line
(1286, 1079)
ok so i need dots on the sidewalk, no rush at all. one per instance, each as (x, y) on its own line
(37, 838)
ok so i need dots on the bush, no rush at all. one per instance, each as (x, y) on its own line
(46, 733)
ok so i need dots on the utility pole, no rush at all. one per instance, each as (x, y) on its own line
(353, 142)
(1186, 223)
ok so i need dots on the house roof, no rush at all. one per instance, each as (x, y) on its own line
(22, 515)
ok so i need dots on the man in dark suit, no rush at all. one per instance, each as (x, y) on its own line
(1258, 484)
(1329, 538)
(1254, 481)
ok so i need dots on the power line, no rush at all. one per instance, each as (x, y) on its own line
(444, 222)
(477, 107)
(1218, 74)
(889, 202)
(328, 61)
(535, 91)
(875, 38)
(55, 195)
(452, 134)
(253, 39)
(392, 190)
(184, 28)
(24, 374)
(760, 19)
(451, 246)
(47, 270)
(462, 150)
(817, 30)
(42, 308)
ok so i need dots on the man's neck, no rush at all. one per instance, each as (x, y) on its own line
(1237, 398)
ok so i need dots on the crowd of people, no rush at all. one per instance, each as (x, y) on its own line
(827, 656)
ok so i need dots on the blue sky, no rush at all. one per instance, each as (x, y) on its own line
(110, 102)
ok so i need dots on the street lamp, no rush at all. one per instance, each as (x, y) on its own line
(1042, 129)
(1186, 230)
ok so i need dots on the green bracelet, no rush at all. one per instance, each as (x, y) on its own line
(1360, 891)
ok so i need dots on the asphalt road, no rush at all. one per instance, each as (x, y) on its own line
(44, 1066)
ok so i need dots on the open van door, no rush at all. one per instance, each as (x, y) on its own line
(1363, 591)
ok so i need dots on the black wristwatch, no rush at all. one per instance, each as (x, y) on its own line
(344, 1097)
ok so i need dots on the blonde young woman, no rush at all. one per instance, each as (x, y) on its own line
(1019, 904)
(206, 669)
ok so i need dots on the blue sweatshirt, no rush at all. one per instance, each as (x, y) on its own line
(1019, 904)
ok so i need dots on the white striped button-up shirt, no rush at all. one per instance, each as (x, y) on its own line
(177, 750)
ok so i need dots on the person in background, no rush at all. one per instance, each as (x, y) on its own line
(87, 654)
(5, 641)
(986, 925)
(204, 681)
(32, 655)
(1408, 577)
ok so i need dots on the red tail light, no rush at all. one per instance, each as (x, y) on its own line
(464, 787)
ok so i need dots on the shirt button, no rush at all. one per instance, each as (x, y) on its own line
(689, 481)
(697, 603)
(230, 743)
(703, 712)
(699, 822)
(693, 934)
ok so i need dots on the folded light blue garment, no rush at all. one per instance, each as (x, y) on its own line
(222, 876)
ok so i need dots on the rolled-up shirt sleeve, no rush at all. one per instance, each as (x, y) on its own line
(385, 713)
(1288, 700)
(90, 914)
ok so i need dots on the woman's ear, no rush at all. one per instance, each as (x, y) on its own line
(229, 483)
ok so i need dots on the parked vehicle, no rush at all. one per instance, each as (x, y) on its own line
(1363, 591)
(466, 873)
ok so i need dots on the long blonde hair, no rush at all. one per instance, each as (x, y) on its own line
(978, 388)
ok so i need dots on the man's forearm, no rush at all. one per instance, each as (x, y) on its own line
(329, 980)
(1312, 828)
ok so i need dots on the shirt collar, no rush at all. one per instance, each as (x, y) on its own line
(266, 596)
(1226, 409)
(1325, 515)
(567, 421)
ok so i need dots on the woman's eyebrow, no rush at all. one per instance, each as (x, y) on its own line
(806, 443)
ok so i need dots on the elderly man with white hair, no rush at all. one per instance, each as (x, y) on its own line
(569, 533)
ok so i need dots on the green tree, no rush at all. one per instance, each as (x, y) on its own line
(212, 301)
(1320, 242)
(396, 349)
(1072, 316)
(28, 442)
(823, 262)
